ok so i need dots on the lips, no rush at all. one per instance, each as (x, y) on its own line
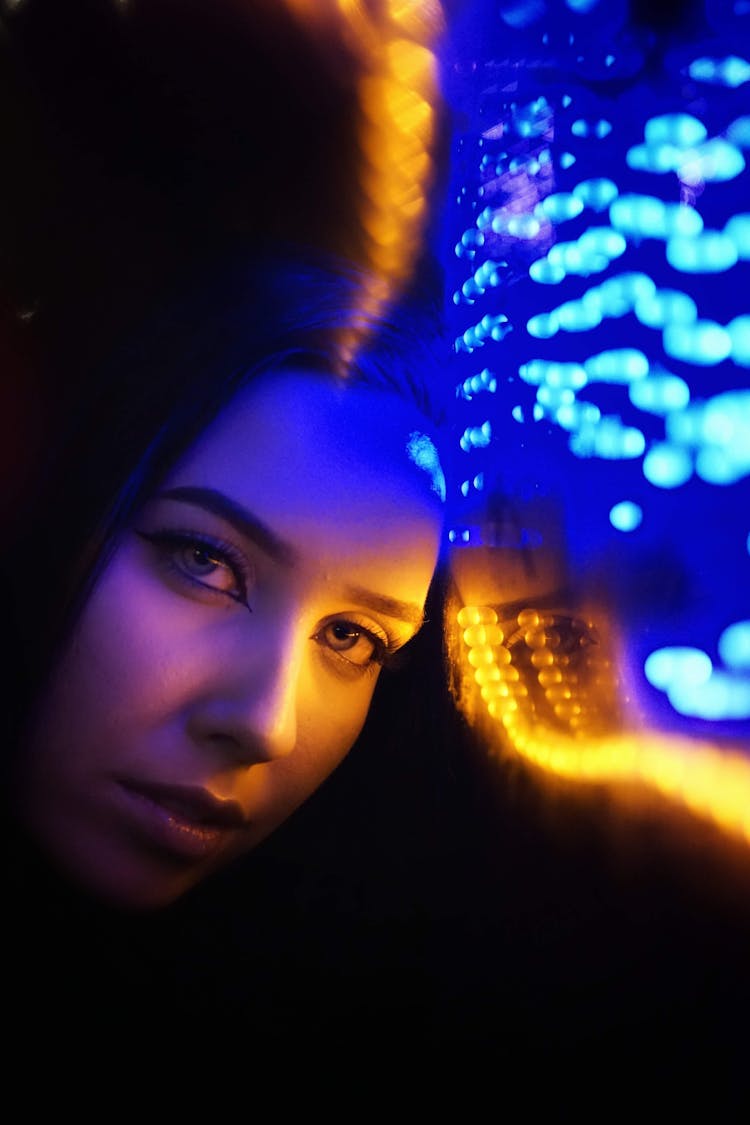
(186, 821)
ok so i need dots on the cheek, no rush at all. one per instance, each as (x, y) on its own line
(331, 716)
(329, 720)
(110, 678)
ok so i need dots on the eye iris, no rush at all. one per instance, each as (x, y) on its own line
(200, 561)
(343, 636)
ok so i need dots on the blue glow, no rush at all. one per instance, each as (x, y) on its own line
(543, 326)
(578, 416)
(602, 240)
(715, 160)
(591, 253)
(618, 365)
(651, 320)
(722, 696)
(711, 252)
(739, 132)
(667, 466)
(739, 334)
(719, 430)
(554, 397)
(682, 130)
(609, 439)
(625, 516)
(654, 158)
(730, 71)
(538, 371)
(578, 316)
(703, 342)
(484, 381)
(600, 129)
(677, 664)
(476, 436)
(545, 272)
(734, 646)
(665, 306)
(520, 226)
(660, 394)
(738, 229)
(560, 206)
(533, 119)
(646, 216)
(421, 450)
(717, 466)
(596, 193)
(522, 13)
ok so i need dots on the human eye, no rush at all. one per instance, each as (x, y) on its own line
(358, 645)
(203, 562)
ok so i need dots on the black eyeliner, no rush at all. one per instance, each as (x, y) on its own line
(165, 538)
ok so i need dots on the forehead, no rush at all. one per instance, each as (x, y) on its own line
(311, 456)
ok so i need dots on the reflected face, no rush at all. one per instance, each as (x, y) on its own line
(226, 659)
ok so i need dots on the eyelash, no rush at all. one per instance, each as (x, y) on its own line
(383, 652)
(168, 540)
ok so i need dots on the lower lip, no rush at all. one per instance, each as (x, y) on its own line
(185, 839)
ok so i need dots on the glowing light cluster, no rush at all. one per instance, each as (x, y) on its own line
(643, 357)
(729, 71)
(393, 49)
(557, 718)
(695, 687)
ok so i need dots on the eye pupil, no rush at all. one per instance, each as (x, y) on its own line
(201, 558)
(344, 632)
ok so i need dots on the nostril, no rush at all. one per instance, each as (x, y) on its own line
(245, 736)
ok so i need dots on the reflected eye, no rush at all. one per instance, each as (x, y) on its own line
(352, 642)
(200, 561)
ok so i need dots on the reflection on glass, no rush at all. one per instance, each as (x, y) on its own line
(599, 276)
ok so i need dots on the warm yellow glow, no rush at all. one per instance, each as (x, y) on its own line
(418, 18)
(412, 65)
(387, 53)
(548, 705)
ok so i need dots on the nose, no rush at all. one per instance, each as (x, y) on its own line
(249, 713)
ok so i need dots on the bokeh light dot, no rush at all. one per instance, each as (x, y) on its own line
(677, 664)
(667, 466)
(626, 515)
(734, 645)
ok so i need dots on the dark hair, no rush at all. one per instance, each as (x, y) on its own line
(113, 431)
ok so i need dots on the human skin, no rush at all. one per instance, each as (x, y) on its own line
(219, 672)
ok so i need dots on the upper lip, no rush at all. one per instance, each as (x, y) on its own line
(192, 803)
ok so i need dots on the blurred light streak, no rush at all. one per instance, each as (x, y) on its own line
(392, 50)
(710, 782)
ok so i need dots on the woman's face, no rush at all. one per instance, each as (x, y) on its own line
(225, 661)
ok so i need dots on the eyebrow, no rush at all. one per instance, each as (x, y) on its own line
(409, 612)
(243, 521)
(211, 500)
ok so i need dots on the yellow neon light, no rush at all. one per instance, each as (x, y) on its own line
(551, 700)
(388, 52)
